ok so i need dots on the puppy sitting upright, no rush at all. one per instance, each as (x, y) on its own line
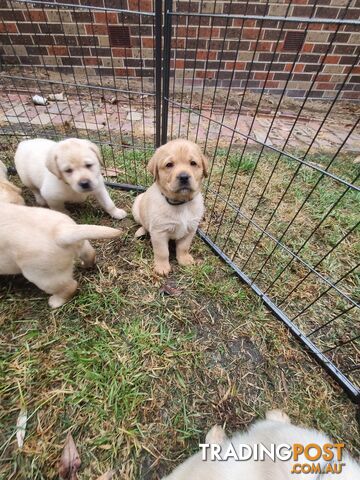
(67, 171)
(171, 209)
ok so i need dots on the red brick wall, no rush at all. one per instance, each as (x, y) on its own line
(223, 51)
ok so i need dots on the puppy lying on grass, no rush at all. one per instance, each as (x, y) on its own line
(43, 245)
(277, 430)
(9, 193)
(67, 171)
(171, 209)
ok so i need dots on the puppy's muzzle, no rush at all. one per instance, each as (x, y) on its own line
(85, 184)
(183, 179)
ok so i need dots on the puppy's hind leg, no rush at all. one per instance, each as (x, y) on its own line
(140, 232)
(64, 294)
(58, 283)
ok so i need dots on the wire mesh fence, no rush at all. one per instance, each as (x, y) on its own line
(84, 53)
(274, 110)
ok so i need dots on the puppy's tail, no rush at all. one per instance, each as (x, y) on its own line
(71, 234)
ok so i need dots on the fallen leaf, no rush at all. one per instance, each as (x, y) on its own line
(70, 461)
(21, 427)
(168, 289)
(357, 160)
(107, 476)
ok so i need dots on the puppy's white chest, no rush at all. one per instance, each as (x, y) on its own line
(180, 229)
(183, 226)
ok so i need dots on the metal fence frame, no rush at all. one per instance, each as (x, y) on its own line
(320, 356)
(163, 17)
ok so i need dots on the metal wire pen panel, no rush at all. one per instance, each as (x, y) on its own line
(102, 59)
(269, 90)
(283, 191)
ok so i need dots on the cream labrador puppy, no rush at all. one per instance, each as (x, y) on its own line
(171, 209)
(9, 193)
(67, 171)
(43, 244)
(276, 429)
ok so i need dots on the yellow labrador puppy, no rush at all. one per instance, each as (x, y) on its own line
(67, 171)
(9, 193)
(171, 209)
(232, 462)
(43, 244)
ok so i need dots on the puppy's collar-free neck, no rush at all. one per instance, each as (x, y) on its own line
(176, 202)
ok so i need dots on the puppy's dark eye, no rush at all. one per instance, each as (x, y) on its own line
(169, 165)
(88, 165)
(69, 170)
(193, 163)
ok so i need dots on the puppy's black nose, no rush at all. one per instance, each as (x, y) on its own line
(85, 184)
(183, 178)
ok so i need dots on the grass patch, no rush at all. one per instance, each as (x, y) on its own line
(243, 164)
(127, 165)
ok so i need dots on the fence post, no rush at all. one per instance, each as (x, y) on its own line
(166, 69)
(158, 63)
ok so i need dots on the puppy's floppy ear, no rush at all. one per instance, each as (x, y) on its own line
(97, 152)
(51, 163)
(153, 163)
(205, 165)
(216, 435)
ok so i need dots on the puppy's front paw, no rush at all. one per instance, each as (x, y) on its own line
(185, 260)
(277, 416)
(118, 213)
(162, 268)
